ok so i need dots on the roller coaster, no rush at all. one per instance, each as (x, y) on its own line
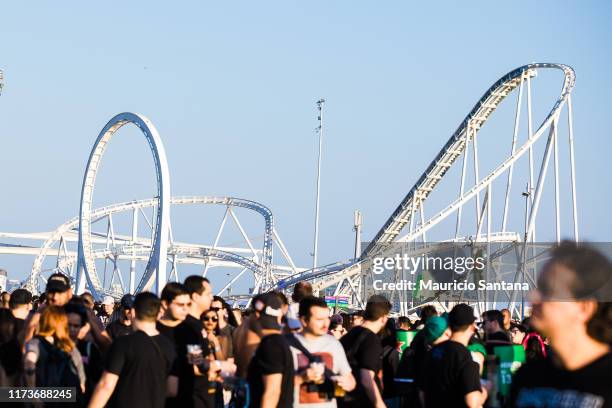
(407, 224)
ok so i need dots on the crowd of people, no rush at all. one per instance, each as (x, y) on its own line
(188, 348)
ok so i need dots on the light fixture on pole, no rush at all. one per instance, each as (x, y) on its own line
(526, 194)
(319, 129)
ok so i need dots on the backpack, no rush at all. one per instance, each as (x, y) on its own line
(55, 367)
(406, 368)
(357, 397)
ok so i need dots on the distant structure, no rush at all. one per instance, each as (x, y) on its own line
(484, 222)
(482, 208)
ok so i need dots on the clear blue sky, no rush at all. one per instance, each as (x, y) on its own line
(231, 87)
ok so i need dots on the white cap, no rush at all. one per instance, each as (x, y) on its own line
(108, 300)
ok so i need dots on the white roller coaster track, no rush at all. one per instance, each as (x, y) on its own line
(130, 251)
(404, 215)
(345, 276)
(156, 266)
(456, 145)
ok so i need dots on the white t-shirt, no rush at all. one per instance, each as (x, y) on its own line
(332, 353)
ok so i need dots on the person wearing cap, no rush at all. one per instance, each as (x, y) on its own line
(270, 373)
(357, 319)
(58, 292)
(108, 306)
(123, 325)
(451, 377)
(419, 347)
(436, 330)
(58, 289)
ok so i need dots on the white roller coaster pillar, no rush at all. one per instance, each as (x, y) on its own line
(156, 265)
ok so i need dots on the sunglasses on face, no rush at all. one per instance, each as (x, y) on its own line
(210, 318)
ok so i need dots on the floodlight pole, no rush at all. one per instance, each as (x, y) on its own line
(320, 103)
(526, 194)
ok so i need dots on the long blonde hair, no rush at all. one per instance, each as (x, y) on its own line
(54, 322)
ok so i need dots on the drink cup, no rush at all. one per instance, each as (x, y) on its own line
(319, 369)
(339, 392)
(194, 353)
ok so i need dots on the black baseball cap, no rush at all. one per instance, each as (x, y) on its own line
(58, 282)
(127, 301)
(270, 308)
(461, 315)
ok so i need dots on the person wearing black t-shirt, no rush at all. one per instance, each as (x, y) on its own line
(451, 377)
(270, 372)
(123, 325)
(195, 389)
(364, 352)
(175, 302)
(419, 345)
(572, 309)
(495, 335)
(138, 365)
(20, 304)
(10, 351)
